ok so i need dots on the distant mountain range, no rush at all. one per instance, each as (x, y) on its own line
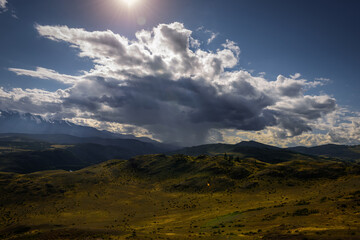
(26, 153)
(245, 149)
(16, 122)
(343, 152)
(273, 154)
(31, 143)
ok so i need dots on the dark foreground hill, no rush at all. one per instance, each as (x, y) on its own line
(184, 197)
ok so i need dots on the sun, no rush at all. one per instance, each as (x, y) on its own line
(130, 3)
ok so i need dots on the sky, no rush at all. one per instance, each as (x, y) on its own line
(187, 72)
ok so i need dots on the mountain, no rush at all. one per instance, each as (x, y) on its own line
(25, 153)
(245, 149)
(67, 158)
(273, 154)
(141, 146)
(255, 145)
(17, 122)
(344, 152)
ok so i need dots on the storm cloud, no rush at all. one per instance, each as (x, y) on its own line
(162, 82)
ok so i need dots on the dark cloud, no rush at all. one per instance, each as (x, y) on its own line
(186, 110)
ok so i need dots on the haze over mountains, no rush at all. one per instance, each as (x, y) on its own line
(17, 122)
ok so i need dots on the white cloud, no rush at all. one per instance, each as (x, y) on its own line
(322, 79)
(3, 4)
(164, 51)
(164, 83)
(113, 127)
(295, 76)
(212, 37)
(232, 46)
(32, 100)
(44, 73)
(195, 43)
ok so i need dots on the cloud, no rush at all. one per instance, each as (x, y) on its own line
(195, 43)
(322, 79)
(44, 73)
(162, 52)
(164, 83)
(113, 127)
(3, 5)
(212, 37)
(212, 34)
(3, 8)
(295, 76)
(340, 127)
(232, 46)
(32, 100)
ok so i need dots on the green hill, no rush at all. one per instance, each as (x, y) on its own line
(184, 197)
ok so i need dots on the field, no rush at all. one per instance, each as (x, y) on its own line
(180, 197)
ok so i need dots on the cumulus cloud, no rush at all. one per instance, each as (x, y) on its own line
(164, 83)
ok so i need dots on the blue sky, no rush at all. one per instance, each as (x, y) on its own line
(318, 39)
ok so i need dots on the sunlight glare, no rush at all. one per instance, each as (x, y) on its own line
(130, 3)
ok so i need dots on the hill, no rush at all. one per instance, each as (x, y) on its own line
(25, 153)
(349, 153)
(184, 197)
(245, 149)
(273, 154)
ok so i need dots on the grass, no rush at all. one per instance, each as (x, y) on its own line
(136, 200)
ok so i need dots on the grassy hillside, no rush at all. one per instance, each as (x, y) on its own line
(184, 197)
